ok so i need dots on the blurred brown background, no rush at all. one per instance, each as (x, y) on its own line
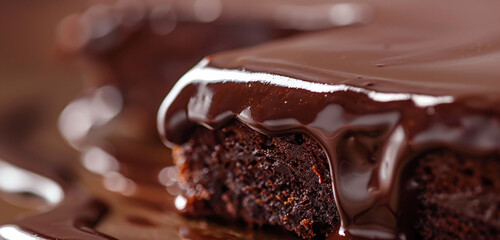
(35, 85)
(28, 67)
(34, 82)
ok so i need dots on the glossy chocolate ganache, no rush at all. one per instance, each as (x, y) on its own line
(421, 76)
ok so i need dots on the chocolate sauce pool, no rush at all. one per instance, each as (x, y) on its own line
(422, 76)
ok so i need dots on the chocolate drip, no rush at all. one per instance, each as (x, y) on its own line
(374, 96)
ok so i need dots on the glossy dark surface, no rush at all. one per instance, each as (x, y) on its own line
(420, 76)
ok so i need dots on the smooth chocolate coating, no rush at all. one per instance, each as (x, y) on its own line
(421, 76)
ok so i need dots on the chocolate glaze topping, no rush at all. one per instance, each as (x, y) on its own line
(421, 76)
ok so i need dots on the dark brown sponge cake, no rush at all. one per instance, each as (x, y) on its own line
(240, 174)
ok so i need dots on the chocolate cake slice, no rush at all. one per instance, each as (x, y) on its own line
(389, 130)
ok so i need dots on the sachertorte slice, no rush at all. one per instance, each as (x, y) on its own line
(389, 130)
